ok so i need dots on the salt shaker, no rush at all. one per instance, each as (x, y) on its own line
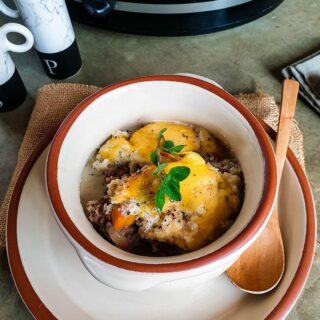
(54, 37)
(12, 90)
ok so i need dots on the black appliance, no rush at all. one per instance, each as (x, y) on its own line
(168, 17)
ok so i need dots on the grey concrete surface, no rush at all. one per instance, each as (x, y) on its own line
(241, 59)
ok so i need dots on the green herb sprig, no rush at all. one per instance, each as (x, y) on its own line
(170, 182)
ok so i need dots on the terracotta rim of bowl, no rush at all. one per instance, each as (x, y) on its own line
(262, 212)
(41, 311)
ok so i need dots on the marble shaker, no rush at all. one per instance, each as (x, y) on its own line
(54, 37)
(12, 90)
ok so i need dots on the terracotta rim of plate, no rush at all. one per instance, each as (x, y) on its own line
(40, 311)
(259, 218)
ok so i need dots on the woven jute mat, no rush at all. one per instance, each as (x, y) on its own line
(55, 101)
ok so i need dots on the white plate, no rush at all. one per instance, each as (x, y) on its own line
(54, 283)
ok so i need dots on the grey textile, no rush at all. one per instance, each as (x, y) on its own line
(307, 72)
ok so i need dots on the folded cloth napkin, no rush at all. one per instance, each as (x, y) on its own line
(307, 72)
(55, 101)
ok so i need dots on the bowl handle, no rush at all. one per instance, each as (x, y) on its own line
(115, 277)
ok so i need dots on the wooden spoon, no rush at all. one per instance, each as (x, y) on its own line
(260, 268)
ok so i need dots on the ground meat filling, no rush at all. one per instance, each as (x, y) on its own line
(231, 165)
(98, 215)
(116, 172)
(127, 238)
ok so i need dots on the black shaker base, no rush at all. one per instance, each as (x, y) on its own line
(63, 64)
(12, 93)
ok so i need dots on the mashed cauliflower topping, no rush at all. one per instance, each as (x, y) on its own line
(210, 195)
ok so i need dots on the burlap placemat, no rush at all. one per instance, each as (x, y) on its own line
(55, 101)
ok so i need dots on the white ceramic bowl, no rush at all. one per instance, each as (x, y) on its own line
(138, 101)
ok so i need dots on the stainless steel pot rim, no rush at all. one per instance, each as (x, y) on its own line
(181, 8)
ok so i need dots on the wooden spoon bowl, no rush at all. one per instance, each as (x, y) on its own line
(260, 268)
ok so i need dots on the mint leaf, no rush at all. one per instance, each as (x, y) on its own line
(175, 149)
(180, 173)
(169, 183)
(168, 144)
(172, 188)
(159, 168)
(154, 157)
(160, 198)
(161, 132)
(171, 180)
(178, 148)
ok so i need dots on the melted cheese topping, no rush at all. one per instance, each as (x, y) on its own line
(140, 187)
(143, 141)
(208, 198)
(116, 149)
(207, 142)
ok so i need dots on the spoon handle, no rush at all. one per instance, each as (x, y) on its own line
(290, 92)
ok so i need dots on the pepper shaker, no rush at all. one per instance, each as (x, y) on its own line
(54, 37)
(12, 90)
